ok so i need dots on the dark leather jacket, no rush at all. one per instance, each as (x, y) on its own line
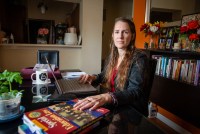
(133, 93)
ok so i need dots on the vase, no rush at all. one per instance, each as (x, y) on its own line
(42, 40)
(146, 45)
(153, 41)
(9, 107)
(185, 43)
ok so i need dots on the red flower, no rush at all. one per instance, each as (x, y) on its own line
(194, 37)
(144, 27)
(191, 30)
(193, 24)
(151, 28)
(43, 31)
(183, 29)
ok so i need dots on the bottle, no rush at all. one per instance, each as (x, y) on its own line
(152, 110)
(11, 38)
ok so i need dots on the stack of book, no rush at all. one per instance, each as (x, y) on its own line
(61, 118)
(184, 70)
(44, 66)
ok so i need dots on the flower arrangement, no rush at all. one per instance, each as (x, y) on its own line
(43, 31)
(42, 35)
(192, 30)
(151, 28)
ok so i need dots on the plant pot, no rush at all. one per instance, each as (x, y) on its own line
(9, 107)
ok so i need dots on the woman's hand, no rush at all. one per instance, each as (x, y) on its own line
(93, 102)
(86, 78)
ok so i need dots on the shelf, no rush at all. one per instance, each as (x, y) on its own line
(178, 81)
(182, 54)
(41, 45)
(177, 97)
(181, 99)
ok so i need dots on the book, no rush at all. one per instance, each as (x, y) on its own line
(197, 73)
(71, 75)
(24, 129)
(44, 66)
(62, 118)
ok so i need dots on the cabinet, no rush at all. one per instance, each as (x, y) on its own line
(179, 98)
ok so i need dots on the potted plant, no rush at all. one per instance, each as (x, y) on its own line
(10, 98)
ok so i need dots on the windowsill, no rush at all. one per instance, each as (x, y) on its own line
(41, 45)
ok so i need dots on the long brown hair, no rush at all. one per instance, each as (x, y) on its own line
(125, 64)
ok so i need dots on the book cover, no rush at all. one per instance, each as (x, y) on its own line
(178, 69)
(197, 73)
(81, 119)
(44, 120)
(62, 118)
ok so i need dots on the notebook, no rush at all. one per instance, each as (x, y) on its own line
(72, 86)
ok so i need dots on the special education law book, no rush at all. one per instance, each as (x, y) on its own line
(62, 118)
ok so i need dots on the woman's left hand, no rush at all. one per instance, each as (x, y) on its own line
(93, 102)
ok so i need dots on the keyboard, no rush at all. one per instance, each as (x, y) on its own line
(73, 86)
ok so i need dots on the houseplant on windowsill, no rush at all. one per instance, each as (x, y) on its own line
(10, 98)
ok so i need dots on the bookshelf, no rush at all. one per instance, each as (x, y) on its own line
(177, 97)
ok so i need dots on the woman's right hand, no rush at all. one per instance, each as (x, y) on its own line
(86, 78)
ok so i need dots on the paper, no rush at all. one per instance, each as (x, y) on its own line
(44, 66)
(72, 75)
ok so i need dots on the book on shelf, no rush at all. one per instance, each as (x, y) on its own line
(197, 73)
(62, 118)
(44, 66)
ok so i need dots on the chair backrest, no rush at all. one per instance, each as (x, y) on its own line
(52, 56)
(149, 77)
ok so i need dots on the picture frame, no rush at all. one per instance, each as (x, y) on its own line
(162, 43)
(163, 32)
(169, 43)
(186, 18)
(170, 32)
(167, 36)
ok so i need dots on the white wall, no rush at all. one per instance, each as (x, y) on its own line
(187, 6)
(120, 8)
(92, 35)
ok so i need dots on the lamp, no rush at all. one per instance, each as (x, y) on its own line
(43, 7)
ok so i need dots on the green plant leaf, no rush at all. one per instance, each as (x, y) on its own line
(6, 80)
(4, 89)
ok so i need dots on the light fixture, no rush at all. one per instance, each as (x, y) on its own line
(43, 7)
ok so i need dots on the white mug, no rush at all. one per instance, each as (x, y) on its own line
(41, 76)
(40, 89)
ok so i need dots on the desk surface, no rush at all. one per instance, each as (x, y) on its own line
(123, 119)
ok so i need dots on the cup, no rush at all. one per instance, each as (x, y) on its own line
(41, 76)
(70, 38)
(40, 89)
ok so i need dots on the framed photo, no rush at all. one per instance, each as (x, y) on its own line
(189, 17)
(169, 42)
(170, 32)
(167, 37)
(162, 43)
(163, 32)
